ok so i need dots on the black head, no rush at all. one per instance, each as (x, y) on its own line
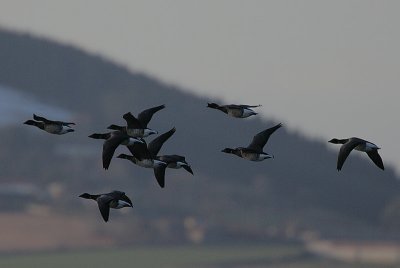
(337, 141)
(228, 151)
(212, 105)
(86, 196)
(30, 122)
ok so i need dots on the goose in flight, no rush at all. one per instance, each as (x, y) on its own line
(235, 110)
(112, 141)
(145, 155)
(114, 199)
(50, 126)
(360, 145)
(137, 127)
(254, 152)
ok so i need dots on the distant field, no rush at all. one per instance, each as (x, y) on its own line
(235, 256)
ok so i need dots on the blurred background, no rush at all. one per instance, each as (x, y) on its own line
(323, 69)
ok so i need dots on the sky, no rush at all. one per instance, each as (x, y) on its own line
(324, 68)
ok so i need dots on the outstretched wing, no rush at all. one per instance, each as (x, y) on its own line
(47, 121)
(159, 173)
(249, 106)
(140, 151)
(345, 150)
(261, 138)
(156, 144)
(145, 116)
(109, 147)
(104, 206)
(132, 121)
(374, 155)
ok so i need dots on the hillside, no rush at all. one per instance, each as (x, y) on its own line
(228, 198)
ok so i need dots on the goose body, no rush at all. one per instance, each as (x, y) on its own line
(360, 145)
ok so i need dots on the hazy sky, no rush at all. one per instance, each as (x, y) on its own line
(329, 68)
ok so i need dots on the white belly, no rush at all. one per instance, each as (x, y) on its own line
(55, 129)
(135, 132)
(146, 163)
(122, 204)
(247, 112)
(366, 147)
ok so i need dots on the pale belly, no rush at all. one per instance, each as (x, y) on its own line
(368, 147)
(235, 112)
(247, 113)
(135, 132)
(119, 204)
(175, 165)
(54, 129)
(146, 163)
(255, 156)
(251, 156)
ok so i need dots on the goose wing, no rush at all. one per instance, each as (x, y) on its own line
(104, 206)
(249, 106)
(140, 151)
(376, 158)
(159, 173)
(109, 147)
(132, 121)
(47, 121)
(118, 195)
(145, 116)
(261, 138)
(345, 150)
(156, 144)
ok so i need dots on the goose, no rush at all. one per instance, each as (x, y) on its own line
(171, 161)
(50, 126)
(114, 199)
(112, 141)
(360, 145)
(145, 155)
(137, 127)
(254, 152)
(176, 161)
(235, 110)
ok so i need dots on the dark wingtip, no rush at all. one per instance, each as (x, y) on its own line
(188, 169)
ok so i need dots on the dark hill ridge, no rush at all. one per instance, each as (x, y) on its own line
(300, 186)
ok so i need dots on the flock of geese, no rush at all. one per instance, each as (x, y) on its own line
(146, 155)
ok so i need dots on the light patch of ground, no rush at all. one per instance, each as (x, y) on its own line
(27, 232)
